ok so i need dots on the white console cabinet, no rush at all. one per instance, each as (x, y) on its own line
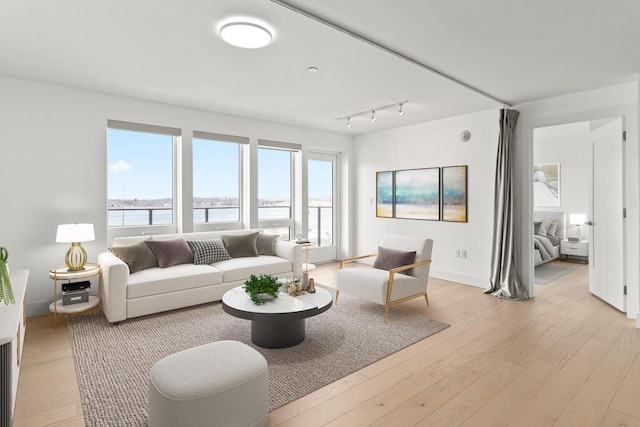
(12, 327)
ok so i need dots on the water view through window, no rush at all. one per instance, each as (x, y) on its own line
(140, 178)
(216, 181)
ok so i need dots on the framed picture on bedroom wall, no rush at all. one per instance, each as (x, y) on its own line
(546, 185)
(454, 193)
(384, 194)
(417, 194)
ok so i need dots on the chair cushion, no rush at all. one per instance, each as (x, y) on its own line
(372, 283)
(391, 258)
(171, 252)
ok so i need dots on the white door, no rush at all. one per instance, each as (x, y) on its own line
(606, 242)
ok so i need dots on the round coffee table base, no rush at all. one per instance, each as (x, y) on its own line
(277, 334)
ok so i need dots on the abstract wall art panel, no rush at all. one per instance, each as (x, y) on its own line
(454, 193)
(546, 184)
(384, 194)
(417, 194)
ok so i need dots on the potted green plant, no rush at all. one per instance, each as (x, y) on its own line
(6, 293)
(261, 288)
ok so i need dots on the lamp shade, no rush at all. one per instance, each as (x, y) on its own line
(71, 233)
(577, 219)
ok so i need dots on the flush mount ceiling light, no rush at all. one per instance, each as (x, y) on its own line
(246, 35)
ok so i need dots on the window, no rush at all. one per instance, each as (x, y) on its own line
(140, 183)
(216, 178)
(275, 187)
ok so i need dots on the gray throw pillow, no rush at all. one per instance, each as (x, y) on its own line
(208, 251)
(536, 226)
(171, 252)
(544, 227)
(391, 258)
(266, 244)
(137, 256)
(553, 228)
(241, 245)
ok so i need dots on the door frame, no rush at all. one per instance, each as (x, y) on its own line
(523, 162)
(327, 253)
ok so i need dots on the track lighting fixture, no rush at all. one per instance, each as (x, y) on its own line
(372, 112)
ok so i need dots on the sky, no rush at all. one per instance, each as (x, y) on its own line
(140, 166)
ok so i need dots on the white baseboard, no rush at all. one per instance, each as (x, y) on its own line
(478, 282)
(638, 320)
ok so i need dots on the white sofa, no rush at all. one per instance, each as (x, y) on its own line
(124, 295)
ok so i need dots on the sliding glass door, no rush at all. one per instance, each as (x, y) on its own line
(322, 207)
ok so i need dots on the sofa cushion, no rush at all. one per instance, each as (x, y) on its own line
(137, 256)
(154, 281)
(266, 244)
(208, 251)
(241, 245)
(171, 252)
(236, 269)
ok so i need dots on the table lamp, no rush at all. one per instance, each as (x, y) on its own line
(75, 234)
(577, 220)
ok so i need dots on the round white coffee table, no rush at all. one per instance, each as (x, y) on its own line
(280, 322)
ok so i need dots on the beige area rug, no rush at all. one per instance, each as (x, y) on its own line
(113, 362)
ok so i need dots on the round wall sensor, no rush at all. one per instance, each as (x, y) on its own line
(465, 136)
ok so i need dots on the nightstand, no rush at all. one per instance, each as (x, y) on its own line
(570, 250)
(58, 274)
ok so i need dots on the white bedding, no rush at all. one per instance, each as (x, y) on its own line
(544, 250)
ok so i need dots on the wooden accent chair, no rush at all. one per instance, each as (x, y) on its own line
(393, 285)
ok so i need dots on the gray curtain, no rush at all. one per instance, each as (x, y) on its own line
(505, 282)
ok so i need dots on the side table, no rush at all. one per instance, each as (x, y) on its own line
(574, 249)
(62, 273)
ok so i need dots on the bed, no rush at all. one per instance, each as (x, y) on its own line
(548, 231)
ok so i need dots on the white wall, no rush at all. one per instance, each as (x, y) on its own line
(573, 154)
(434, 144)
(54, 166)
(613, 101)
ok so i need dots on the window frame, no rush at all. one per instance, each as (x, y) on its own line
(243, 143)
(176, 134)
(294, 151)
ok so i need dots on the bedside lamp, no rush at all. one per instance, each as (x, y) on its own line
(75, 234)
(577, 220)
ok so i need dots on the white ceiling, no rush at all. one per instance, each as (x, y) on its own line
(169, 51)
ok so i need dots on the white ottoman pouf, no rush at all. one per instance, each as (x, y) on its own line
(223, 383)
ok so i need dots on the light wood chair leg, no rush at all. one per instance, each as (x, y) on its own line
(335, 301)
(386, 312)
(426, 298)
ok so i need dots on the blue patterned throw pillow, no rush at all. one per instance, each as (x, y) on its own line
(208, 251)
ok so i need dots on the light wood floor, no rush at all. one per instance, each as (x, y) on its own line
(563, 358)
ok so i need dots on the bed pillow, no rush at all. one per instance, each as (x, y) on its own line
(208, 251)
(171, 252)
(266, 244)
(241, 245)
(553, 229)
(536, 226)
(137, 256)
(391, 258)
(544, 227)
